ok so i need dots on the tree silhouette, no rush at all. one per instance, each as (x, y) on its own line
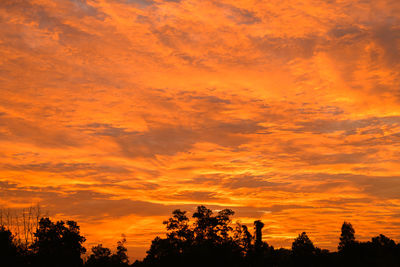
(209, 240)
(8, 250)
(179, 232)
(100, 256)
(384, 252)
(243, 237)
(303, 250)
(187, 245)
(58, 244)
(120, 258)
(213, 228)
(347, 238)
(383, 242)
(258, 226)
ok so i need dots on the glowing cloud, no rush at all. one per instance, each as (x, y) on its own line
(114, 113)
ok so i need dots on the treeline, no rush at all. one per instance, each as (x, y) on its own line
(210, 240)
(56, 244)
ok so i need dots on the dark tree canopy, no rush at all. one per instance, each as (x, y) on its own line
(383, 241)
(302, 245)
(103, 257)
(8, 249)
(303, 250)
(347, 237)
(211, 227)
(121, 257)
(210, 234)
(258, 226)
(59, 244)
(178, 226)
(243, 237)
(208, 238)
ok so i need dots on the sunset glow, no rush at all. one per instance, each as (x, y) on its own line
(114, 113)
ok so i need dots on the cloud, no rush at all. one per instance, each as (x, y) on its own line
(171, 139)
(345, 31)
(66, 167)
(21, 130)
(238, 15)
(388, 37)
(373, 186)
(285, 49)
(197, 196)
(82, 8)
(248, 181)
(348, 126)
(125, 110)
(140, 3)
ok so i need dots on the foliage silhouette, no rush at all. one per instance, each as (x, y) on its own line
(8, 250)
(58, 244)
(100, 256)
(303, 250)
(211, 239)
(120, 258)
(347, 237)
(258, 226)
(186, 245)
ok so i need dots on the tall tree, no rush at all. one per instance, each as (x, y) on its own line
(347, 237)
(258, 226)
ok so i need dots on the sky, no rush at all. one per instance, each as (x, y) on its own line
(114, 113)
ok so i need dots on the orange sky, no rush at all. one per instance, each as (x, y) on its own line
(114, 113)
